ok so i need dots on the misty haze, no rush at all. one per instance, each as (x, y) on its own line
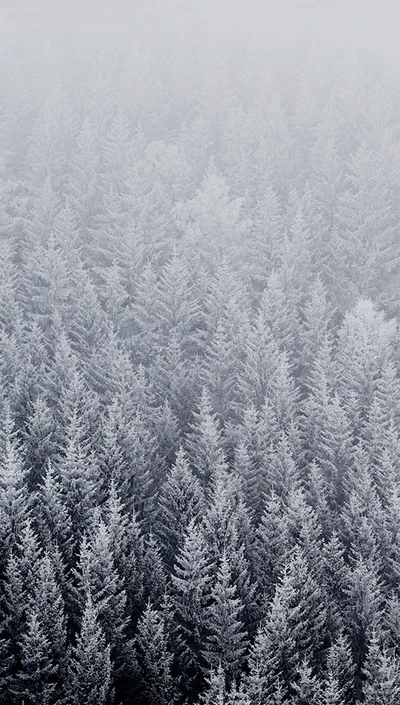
(199, 353)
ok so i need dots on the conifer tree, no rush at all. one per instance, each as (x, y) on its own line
(14, 500)
(215, 690)
(364, 611)
(127, 545)
(204, 442)
(227, 638)
(270, 548)
(97, 576)
(294, 627)
(155, 659)
(50, 606)
(40, 444)
(181, 501)
(382, 674)
(35, 682)
(307, 687)
(77, 472)
(90, 667)
(54, 521)
(316, 324)
(341, 667)
(154, 577)
(190, 595)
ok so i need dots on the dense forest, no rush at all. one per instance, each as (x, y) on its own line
(199, 374)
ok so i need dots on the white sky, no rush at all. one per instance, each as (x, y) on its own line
(371, 23)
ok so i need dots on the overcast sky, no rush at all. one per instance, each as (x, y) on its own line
(371, 23)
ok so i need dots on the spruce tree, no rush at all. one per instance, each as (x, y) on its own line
(190, 596)
(155, 659)
(36, 681)
(181, 500)
(90, 667)
(226, 634)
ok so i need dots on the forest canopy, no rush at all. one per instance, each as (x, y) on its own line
(199, 361)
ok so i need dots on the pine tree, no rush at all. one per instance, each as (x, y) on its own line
(204, 443)
(366, 218)
(270, 548)
(332, 693)
(175, 378)
(83, 181)
(263, 682)
(303, 529)
(335, 452)
(54, 521)
(364, 611)
(294, 629)
(14, 501)
(212, 211)
(266, 233)
(77, 472)
(155, 659)
(140, 450)
(190, 595)
(316, 324)
(226, 523)
(227, 638)
(284, 476)
(50, 606)
(260, 361)
(180, 502)
(307, 687)
(6, 663)
(256, 437)
(382, 674)
(177, 308)
(280, 314)
(335, 575)
(41, 218)
(97, 576)
(40, 445)
(341, 667)
(283, 394)
(35, 682)
(154, 577)
(127, 546)
(366, 340)
(215, 691)
(90, 668)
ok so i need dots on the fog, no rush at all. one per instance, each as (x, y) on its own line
(199, 352)
(372, 24)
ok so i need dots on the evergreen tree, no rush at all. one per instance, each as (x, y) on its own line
(191, 587)
(381, 673)
(35, 682)
(14, 500)
(181, 501)
(98, 577)
(227, 638)
(308, 688)
(90, 668)
(154, 658)
(270, 549)
(49, 602)
(204, 443)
